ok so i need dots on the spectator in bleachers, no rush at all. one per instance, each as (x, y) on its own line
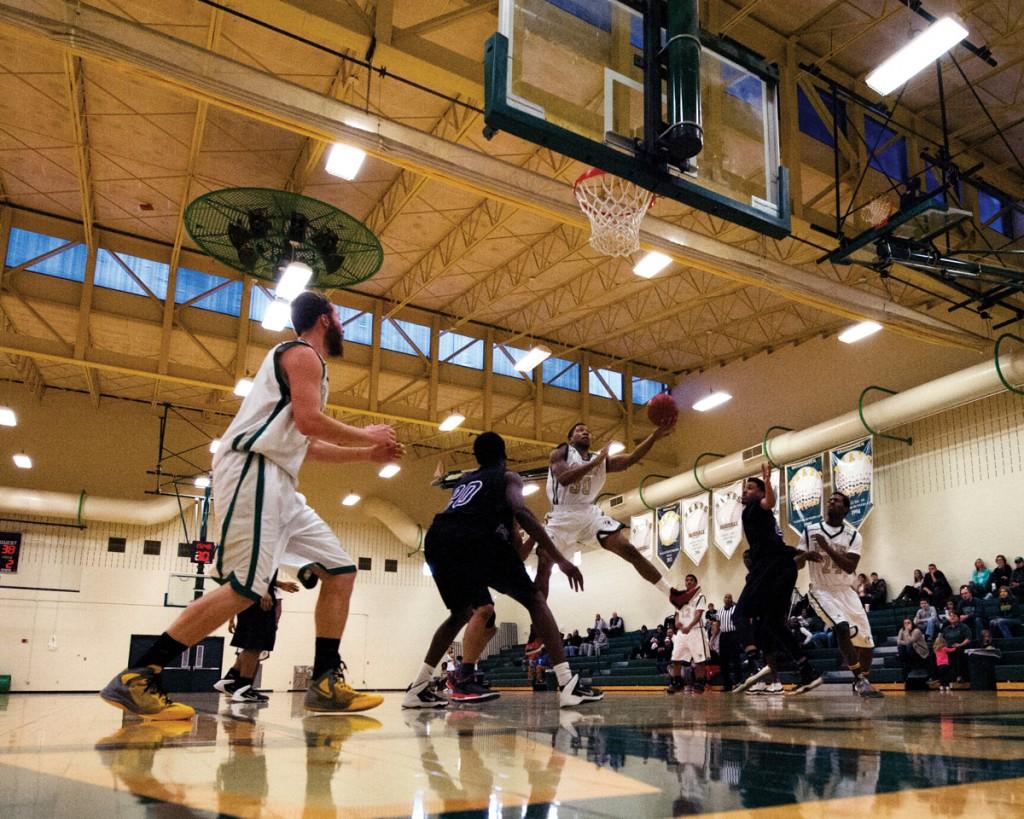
(911, 594)
(878, 591)
(943, 666)
(600, 642)
(1008, 613)
(911, 646)
(935, 587)
(970, 610)
(587, 644)
(948, 609)
(1017, 576)
(1000, 576)
(616, 626)
(986, 639)
(600, 624)
(861, 587)
(958, 638)
(670, 621)
(640, 645)
(926, 619)
(979, 578)
(570, 649)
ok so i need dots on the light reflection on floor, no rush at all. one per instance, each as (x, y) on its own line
(631, 755)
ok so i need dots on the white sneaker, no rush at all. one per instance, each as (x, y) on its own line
(757, 676)
(757, 688)
(420, 696)
(774, 688)
(575, 693)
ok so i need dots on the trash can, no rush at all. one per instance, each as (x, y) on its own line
(5, 683)
(981, 666)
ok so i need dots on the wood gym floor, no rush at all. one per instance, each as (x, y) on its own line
(632, 755)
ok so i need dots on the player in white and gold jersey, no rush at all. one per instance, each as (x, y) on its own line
(832, 550)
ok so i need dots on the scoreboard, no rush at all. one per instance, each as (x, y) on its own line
(10, 551)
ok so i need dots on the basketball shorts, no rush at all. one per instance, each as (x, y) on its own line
(256, 629)
(466, 563)
(842, 604)
(569, 527)
(690, 648)
(266, 523)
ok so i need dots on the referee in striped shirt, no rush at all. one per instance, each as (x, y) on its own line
(728, 645)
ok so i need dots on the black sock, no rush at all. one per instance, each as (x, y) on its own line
(242, 682)
(328, 656)
(165, 649)
(467, 671)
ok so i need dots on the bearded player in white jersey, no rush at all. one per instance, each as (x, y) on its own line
(832, 549)
(266, 522)
(576, 477)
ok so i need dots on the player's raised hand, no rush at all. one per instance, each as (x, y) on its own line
(819, 541)
(571, 571)
(766, 473)
(380, 434)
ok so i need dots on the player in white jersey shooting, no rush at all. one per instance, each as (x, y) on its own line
(265, 521)
(832, 549)
(576, 477)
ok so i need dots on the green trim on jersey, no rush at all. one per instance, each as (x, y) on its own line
(230, 512)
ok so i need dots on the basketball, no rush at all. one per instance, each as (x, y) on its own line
(662, 410)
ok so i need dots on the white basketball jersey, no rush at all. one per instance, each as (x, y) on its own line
(689, 611)
(845, 539)
(584, 491)
(265, 423)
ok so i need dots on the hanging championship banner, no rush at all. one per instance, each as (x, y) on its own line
(728, 506)
(853, 475)
(669, 531)
(696, 527)
(641, 533)
(804, 499)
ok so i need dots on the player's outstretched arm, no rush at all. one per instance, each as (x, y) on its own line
(378, 453)
(624, 460)
(567, 475)
(532, 526)
(303, 371)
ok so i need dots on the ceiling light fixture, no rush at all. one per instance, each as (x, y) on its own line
(389, 470)
(278, 313)
(859, 331)
(243, 387)
(451, 422)
(652, 264)
(22, 461)
(293, 280)
(615, 447)
(916, 55)
(344, 161)
(7, 417)
(202, 482)
(351, 499)
(715, 399)
(535, 356)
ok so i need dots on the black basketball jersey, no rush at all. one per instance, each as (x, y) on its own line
(763, 534)
(478, 502)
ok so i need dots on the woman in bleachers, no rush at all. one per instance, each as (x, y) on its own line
(911, 594)
(911, 646)
(863, 590)
(979, 578)
(1001, 576)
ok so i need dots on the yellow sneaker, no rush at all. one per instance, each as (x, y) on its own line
(138, 691)
(329, 692)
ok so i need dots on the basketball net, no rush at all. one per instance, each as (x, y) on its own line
(879, 210)
(615, 208)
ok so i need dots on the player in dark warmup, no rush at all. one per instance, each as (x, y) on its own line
(764, 604)
(469, 549)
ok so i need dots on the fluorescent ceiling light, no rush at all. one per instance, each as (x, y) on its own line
(577, 558)
(859, 331)
(916, 55)
(531, 489)
(293, 280)
(389, 470)
(243, 387)
(534, 357)
(22, 461)
(214, 445)
(451, 422)
(351, 499)
(7, 417)
(278, 313)
(716, 399)
(344, 161)
(202, 482)
(615, 447)
(652, 264)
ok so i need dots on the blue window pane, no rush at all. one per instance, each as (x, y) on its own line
(644, 390)
(744, 86)
(504, 358)
(227, 299)
(989, 207)
(465, 351)
(358, 325)
(611, 378)
(111, 273)
(392, 339)
(889, 153)
(813, 125)
(561, 373)
(25, 245)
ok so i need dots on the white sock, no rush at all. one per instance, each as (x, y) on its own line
(426, 675)
(563, 673)
(663, 586)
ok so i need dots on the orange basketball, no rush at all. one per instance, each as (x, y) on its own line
(662, 410)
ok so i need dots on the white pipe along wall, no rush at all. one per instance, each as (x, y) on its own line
(408, 532)
(84, 507)
(943, 393)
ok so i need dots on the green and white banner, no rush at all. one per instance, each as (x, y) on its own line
(728, 510)
(669, 533)
(696, 527)
(641, 533)
(805, 486)
(853, 475)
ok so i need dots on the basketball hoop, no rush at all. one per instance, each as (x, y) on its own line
(877, 212)
(615, 208)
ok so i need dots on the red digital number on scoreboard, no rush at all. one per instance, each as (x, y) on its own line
(202, 551)
(10, 550)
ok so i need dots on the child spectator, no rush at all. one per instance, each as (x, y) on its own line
(942, 666)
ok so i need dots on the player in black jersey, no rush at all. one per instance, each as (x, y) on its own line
(764, 604)
(469, 548)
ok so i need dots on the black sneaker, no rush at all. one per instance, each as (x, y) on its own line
(420, 696)
(246, 693)
(469, 691)
(226, 685)
(809, 679)
(575, 693)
